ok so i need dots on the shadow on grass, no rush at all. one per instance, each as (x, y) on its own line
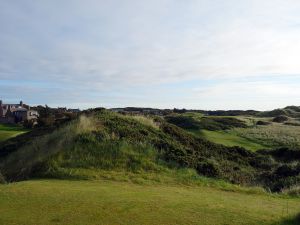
(289, 221)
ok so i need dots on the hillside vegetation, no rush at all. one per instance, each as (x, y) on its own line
(291, 111)
(274, 135)
(106, 141)
(252, 133)
(108, 168)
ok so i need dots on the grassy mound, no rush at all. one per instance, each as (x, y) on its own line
(105, 142)
(291, 111)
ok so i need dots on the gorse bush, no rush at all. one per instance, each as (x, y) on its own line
(280, 119)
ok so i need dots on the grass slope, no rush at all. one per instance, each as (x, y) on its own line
(8, 131)
(230, 138)
(107, 202)
(273, 135)
(217, 129)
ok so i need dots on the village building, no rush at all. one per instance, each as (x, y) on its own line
(16, 113)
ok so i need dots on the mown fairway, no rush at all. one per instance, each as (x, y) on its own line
(230, 138)
(9, 131)
(107, 202)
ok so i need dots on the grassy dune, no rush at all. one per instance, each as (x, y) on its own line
(107, 202)
(9, 131)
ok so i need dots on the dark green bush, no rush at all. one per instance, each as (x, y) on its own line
(208, 123)
(262, 123)
(208, 168)
(280, 119)
(283, 154)
(2, 179)
(183, 121)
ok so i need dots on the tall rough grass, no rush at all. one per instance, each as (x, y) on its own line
(148, 121)
(274, 135)
(292, 191)
(109, 143)
(21, 162)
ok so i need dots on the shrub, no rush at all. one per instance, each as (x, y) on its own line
(280, 119)
(262, 123)
(2, 179)
(183, 121)
(286, 171)
(208, 168)
(283, 154)
(293, 191)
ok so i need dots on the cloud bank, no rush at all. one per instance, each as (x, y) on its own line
(167, 53)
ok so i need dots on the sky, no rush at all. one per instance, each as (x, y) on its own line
(195, 54)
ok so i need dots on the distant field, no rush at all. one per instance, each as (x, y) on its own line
(50, 202)
(230, 138)
(274, 135)
(254, 136)
(8, 131)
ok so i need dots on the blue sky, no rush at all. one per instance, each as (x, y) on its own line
(205, 54)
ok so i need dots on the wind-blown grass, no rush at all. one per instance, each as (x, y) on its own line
(274, 135)
(146, 120)
(21, 163)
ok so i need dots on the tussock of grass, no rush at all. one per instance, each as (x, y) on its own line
(146, 120)
(292, 191)
(21, 163)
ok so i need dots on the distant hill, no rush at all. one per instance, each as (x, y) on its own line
(291, 111)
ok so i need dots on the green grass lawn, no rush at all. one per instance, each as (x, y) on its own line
(8, 131)
(229, 138)
(107, 202)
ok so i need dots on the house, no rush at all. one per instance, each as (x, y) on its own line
(16, 113)
(74, 110)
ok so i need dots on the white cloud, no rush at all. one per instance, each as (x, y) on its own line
(103, 47)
